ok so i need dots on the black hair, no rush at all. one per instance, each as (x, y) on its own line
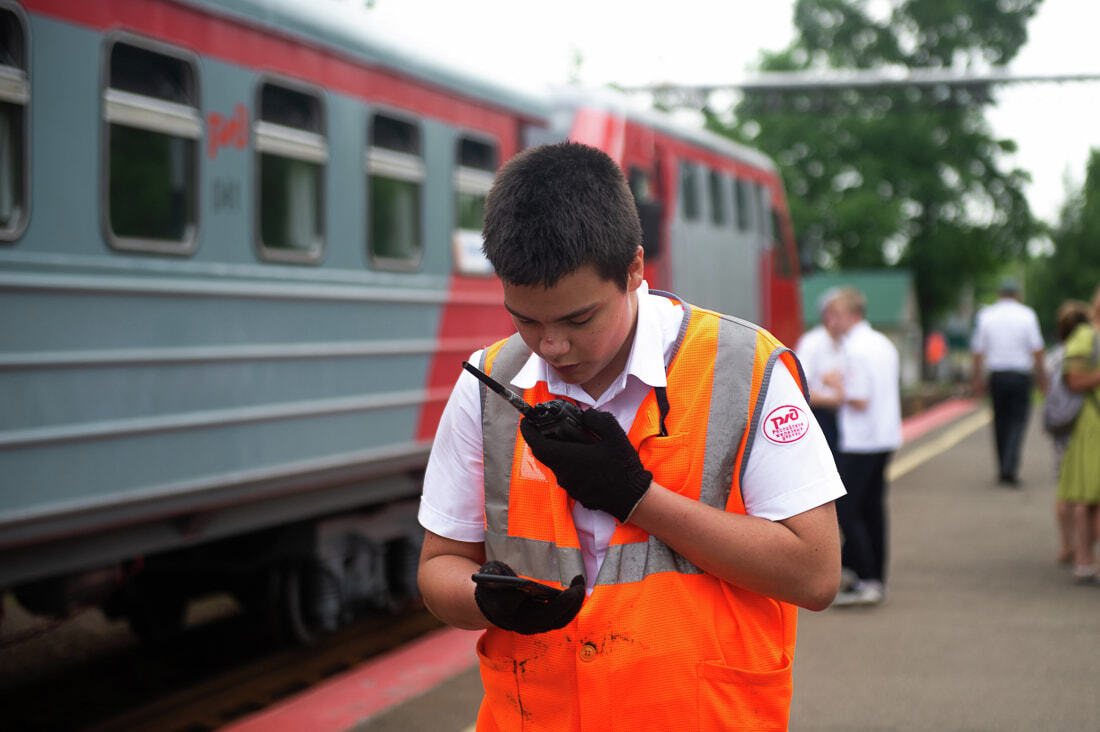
(554, 208)
(1070, 315)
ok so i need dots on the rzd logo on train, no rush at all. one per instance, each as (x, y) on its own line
(786, 424)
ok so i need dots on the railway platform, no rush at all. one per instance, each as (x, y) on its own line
(982, 629)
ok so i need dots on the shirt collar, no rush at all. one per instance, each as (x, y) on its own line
(647, 354)
(855, 331)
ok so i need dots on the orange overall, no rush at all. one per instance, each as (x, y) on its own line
(659, 644)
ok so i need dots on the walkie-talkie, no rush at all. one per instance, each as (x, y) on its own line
(556, 419)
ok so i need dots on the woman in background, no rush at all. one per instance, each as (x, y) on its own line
(1079, 482)
(1071, 314)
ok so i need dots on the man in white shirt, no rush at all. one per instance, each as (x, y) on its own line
(822, 359)
(869, 421)
(1007, 343)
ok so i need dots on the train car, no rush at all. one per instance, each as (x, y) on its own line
(239, 268)
(716, 225)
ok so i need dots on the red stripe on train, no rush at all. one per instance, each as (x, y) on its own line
(475, 316)
(266, 49)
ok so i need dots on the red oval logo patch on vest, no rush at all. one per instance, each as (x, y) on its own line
(786, 424)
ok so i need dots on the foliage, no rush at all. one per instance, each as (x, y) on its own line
(1073, 270)
(900, 176)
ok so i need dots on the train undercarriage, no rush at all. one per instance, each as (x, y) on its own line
(300, 580)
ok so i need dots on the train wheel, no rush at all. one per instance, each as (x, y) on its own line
(307, 600)
(403, 562)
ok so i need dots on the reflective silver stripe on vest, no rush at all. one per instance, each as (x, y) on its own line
(499, 421)
(773, 358)
(729, 416)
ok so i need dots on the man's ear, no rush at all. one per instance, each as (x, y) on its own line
(636, 272)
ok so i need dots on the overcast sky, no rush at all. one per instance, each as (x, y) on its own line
(633, 42)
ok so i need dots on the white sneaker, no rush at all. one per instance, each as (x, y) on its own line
(1086, 574)
(865, 592)
(871, 592)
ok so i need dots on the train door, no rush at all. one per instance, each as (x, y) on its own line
(639, 152)
(785, 293)
(750, 279)
(645, 185)
(713, 254)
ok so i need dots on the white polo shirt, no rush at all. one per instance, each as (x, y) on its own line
(1007, 336)
(871, 374)
(781, 479)
(819, 355)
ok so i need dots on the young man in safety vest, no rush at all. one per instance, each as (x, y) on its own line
(678, 536)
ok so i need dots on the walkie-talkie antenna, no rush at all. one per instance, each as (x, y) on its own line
(514, 399)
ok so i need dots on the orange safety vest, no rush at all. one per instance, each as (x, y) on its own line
(659, 644)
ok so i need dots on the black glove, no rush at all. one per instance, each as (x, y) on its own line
(606, 475)
(514, 609)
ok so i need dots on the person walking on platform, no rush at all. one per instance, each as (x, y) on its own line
(672, 532)
(822, 359)
(869, 422)
(1079, 482)
(1007, 343)
(1071, 314)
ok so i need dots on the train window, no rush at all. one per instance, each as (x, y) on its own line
(153, 128)
(291, 154)
(717, 200)
(640, 185)
(743, 202)
(473, 177)
(767, 221)
(395, 182)
(14, 99)
(649, 210)
(689, 192)
(477, 154)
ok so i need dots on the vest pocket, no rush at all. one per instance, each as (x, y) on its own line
(527, 682)
(749, 700)
(668, 459)
(502, 707)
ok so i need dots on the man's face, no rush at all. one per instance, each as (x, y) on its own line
(583, 326)
(833, 320)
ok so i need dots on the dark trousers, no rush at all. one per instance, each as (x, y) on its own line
(1010, 392)
(862, 513)
(826, 419)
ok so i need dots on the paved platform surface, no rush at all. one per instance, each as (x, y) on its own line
(982, 628)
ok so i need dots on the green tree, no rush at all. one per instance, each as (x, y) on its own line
(1072, 271)
(896, 175)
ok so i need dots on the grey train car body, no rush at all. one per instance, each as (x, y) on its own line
(239, 268)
